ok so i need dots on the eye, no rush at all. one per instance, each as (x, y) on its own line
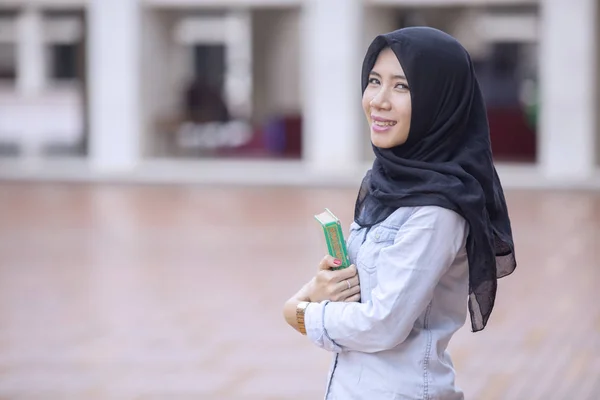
(374, 81)
(402, 86)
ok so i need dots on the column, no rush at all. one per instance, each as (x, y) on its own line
(31, 61)
(568, 89)
(331, 65)
(238, 76)
(114, 84)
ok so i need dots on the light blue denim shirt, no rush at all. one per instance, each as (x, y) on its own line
(414, 279)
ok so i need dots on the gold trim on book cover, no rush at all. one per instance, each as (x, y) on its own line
(335, 242)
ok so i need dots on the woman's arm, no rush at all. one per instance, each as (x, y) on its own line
(328, 284)
(289, 309)
(407, 274)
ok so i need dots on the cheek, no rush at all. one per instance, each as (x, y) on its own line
(408, 107)
(406, 117)
(404, 112)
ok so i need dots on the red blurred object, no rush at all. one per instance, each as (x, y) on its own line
(513, 139)
(293, 136)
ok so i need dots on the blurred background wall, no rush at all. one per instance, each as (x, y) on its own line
(268, 91)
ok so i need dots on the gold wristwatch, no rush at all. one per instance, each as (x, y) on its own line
(300, 316)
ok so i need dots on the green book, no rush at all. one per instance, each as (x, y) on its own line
(334, 236)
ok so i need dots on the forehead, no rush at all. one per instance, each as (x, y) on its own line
(387, 63)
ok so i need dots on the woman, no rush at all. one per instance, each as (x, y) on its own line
(431, 233)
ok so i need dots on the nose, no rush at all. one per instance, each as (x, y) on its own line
(380, 101)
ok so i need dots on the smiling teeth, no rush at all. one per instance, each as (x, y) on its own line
(381, 123)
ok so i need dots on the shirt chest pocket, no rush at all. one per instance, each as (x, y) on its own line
(377, 239)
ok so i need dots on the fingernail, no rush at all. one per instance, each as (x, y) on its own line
(337, 262)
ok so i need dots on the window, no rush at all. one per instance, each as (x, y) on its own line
(209, 64)
(8, 62)
(63, 61)
(8, 49)
(64, 43)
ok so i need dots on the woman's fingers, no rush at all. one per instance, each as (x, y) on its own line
(328, 262)
(346, 273)
(352, 291)
(347, 284)
(353, 298)
(346, 288)
(334, 277)
(354, 281)
(336, 285)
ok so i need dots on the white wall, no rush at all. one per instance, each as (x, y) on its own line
(55, 116)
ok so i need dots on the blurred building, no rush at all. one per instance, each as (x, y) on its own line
(268, 91)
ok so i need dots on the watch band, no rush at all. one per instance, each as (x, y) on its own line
(300, 316)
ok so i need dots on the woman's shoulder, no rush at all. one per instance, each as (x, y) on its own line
(426, 216)
(433, 216)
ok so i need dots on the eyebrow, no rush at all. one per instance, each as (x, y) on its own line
(394, 76)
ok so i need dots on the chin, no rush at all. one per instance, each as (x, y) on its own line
(387, 141)
(382, 145)
(380, 142)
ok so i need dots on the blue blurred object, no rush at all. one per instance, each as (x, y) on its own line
(275, 135)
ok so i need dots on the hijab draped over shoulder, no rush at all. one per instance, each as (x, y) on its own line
(446, 160)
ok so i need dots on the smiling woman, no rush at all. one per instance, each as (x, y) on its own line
(431, 231)
(386, 102)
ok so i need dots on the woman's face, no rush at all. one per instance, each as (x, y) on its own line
(387, 102)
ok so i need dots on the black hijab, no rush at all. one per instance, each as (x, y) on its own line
(446, 160)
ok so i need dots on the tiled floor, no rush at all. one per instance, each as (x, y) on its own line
(116, 292)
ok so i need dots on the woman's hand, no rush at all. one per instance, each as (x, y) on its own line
(334, 285)
(339, 285)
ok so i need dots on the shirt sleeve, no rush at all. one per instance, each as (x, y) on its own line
(313, 322)
(407, 274)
